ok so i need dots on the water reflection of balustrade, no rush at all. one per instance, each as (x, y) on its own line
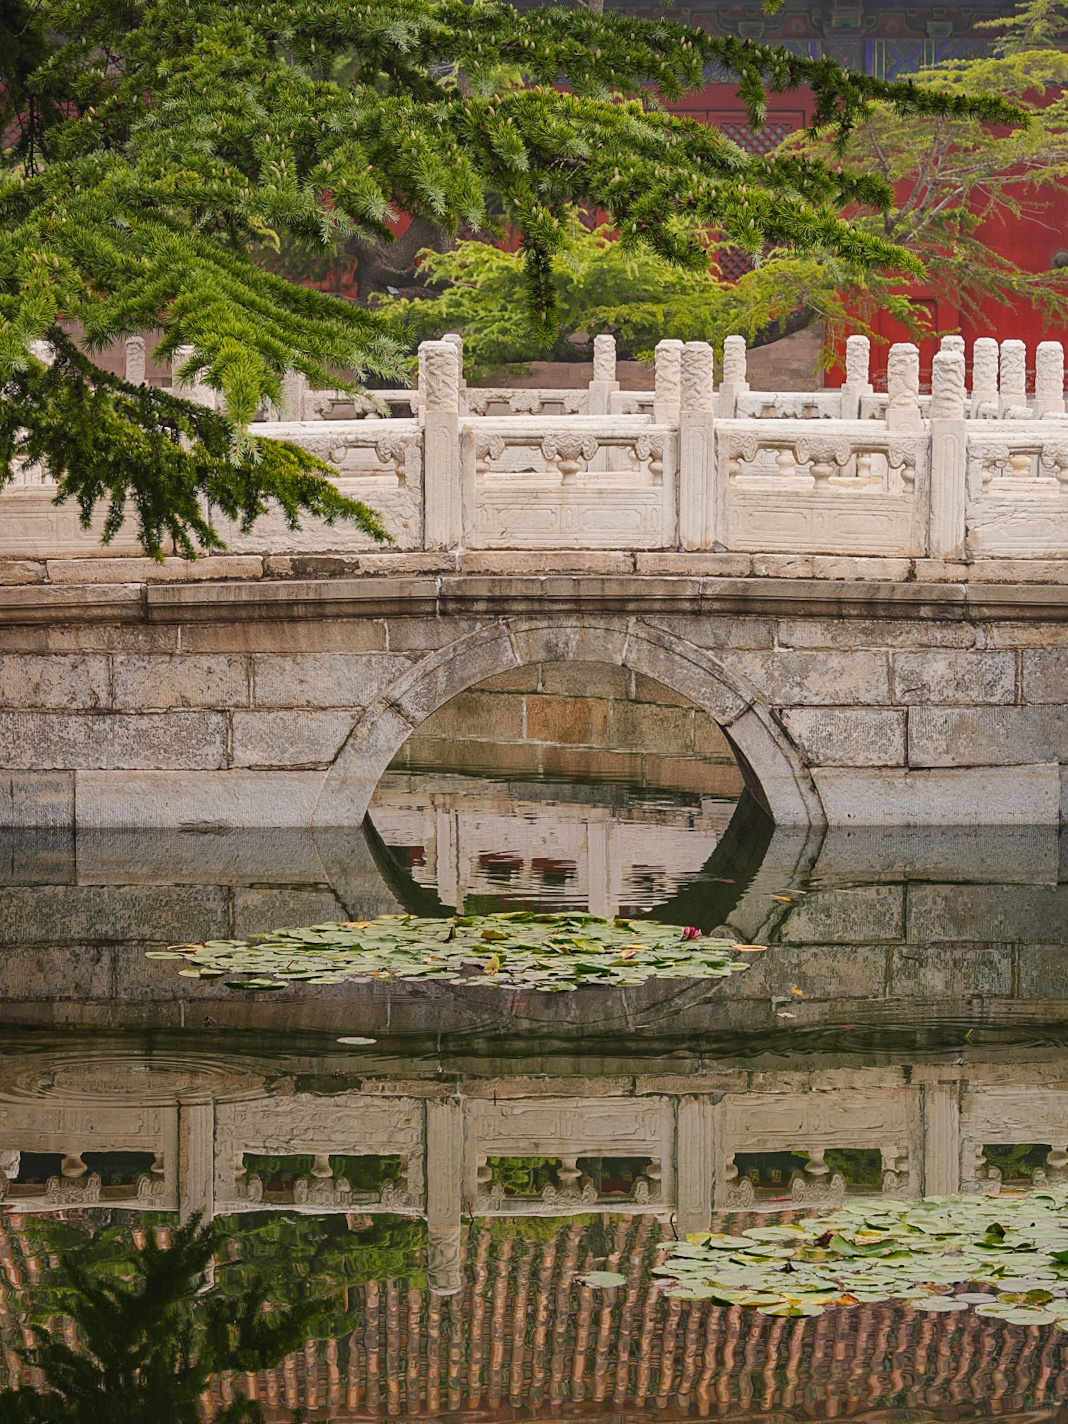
(800, 1139)
(133, 1152)
(568, 1130)
(348, 1126)
(688, 466)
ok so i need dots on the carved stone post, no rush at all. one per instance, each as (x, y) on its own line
(903, 387)
(135, 360)
(694, 1164)
(857, 378)
(442, 510)
(668, 389)
(604, 374)
(735, 374)
(1013, 376)
(196, 1160)
(294, 384)
(697, 451)
(195, 391)
(1049, 378)
(984, 375)
(458, 341)
(949, 455)
(952, 343)
(941, 1139)
(444, 1185)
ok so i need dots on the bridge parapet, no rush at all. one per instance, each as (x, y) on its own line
(956, 474)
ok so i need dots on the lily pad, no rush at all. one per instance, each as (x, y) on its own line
(865, 1251)
(601, 1280)
(516, 950)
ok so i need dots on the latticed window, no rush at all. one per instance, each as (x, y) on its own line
(733, 261)
(761, 140)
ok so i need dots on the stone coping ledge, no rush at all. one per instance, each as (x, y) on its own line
(125, 570)
(391, 593)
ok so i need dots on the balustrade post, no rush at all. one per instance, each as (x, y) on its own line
(1013, 389)
(949, 456)
(1049, 378)
(941, 1139)
(857, 379)
(694, 1164)
(604, 375)
(735, 375)
(444, 1184)
(697, 449)
(984, 375)
(457, 340)
(667, 392)
(952, 343)
(442, 509)
(135, 360)
(903, 387)
(294, 384)
(196, 1160)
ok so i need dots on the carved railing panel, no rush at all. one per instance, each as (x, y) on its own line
(587, 482)
(789, 405)
(802, 1128)
(795, 486)
(133, 1138)
(568, 1130)
(1017, 489)
(345, 1126)
(379, 462)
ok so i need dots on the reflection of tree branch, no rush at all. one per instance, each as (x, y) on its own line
(149, 1346)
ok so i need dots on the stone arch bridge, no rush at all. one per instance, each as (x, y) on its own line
(276, 690)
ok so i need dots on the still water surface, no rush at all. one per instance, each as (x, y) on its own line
(425, 1203)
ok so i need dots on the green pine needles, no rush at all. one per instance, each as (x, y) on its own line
(155, 145)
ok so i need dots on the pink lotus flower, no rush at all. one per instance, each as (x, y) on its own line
(691, 932)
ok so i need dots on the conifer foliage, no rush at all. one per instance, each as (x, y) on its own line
(152, 145)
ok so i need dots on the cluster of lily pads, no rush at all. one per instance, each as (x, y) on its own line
(1006, 1257)
(519, 949)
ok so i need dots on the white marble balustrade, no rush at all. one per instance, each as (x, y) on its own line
(979, 471)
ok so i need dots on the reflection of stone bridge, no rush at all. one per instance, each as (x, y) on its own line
(677, 1149)
(883, 931)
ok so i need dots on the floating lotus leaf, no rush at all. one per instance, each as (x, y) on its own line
(517, 950)
(888, 1251)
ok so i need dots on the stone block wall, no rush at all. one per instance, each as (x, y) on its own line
(273, 697)
(577, 721)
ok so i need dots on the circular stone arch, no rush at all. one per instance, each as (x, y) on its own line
(769, 762)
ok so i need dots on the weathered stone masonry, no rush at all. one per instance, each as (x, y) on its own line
(865, 691)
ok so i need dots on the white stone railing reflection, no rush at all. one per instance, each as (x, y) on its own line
(71, 1132)
(671, 1150)
(688, 466)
